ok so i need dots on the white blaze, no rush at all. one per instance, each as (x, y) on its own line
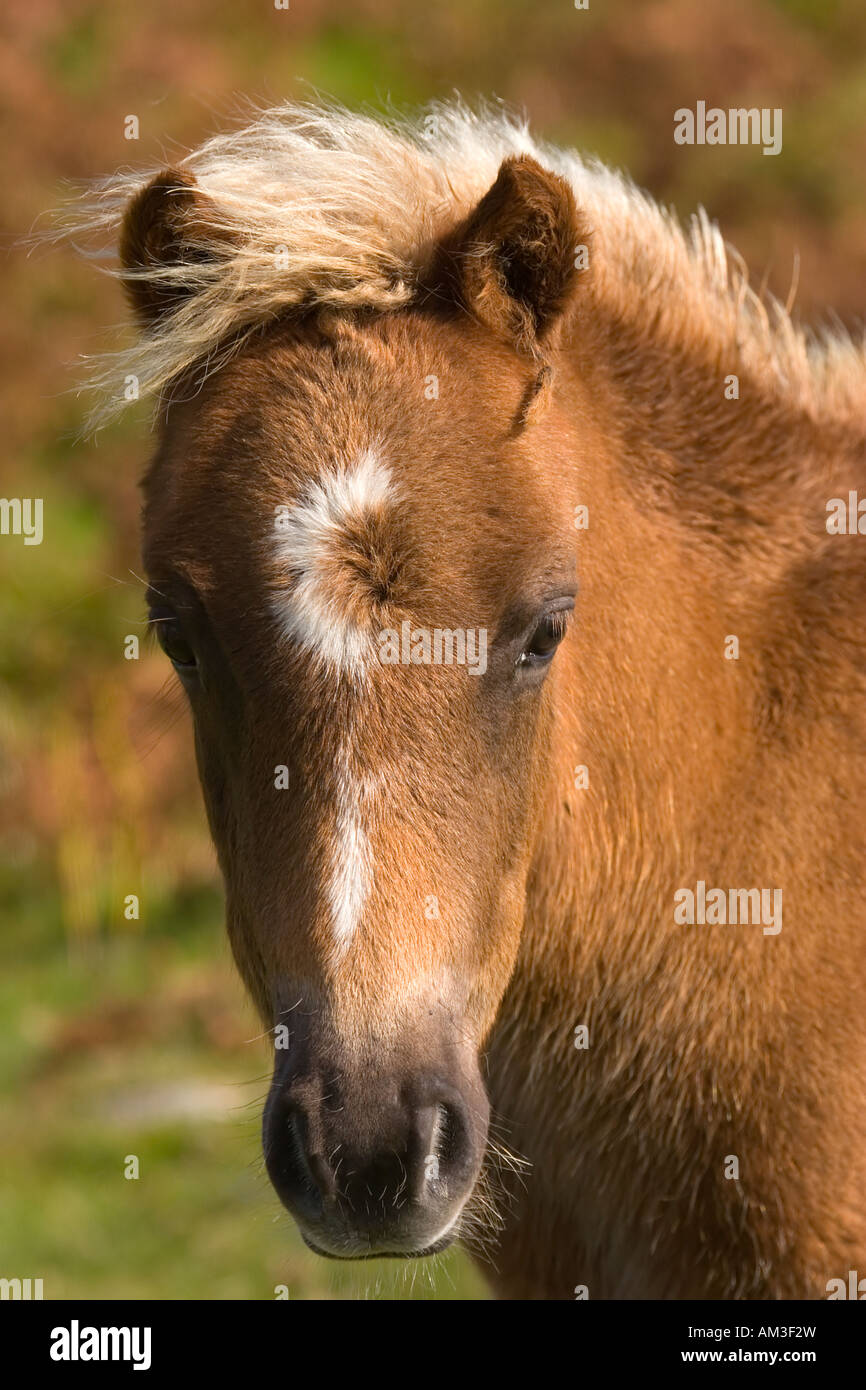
(351, 869)
(309, 613)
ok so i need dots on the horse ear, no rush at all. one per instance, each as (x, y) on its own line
(168, 230)
(512, 262)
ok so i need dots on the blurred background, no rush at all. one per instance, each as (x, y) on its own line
(132, 1037)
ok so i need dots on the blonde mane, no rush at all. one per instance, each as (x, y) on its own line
(314, 205)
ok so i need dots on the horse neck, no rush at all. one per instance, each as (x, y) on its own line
(702, 522)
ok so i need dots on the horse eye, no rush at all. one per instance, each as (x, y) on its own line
(170, 636)
(545, 640)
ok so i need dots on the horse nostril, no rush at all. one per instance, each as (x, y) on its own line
(299, 1172)
(425, 1153)
(445, 1146)
(322, 1175)
(448, 1133)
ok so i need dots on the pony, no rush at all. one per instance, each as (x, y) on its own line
(487, 531)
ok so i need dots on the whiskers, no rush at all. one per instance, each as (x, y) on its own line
(485, 1214)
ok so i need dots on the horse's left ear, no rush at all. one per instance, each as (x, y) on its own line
(513, 261)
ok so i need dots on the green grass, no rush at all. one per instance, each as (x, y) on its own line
(108, 1053)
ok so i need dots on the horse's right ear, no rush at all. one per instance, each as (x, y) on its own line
(168, 231)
